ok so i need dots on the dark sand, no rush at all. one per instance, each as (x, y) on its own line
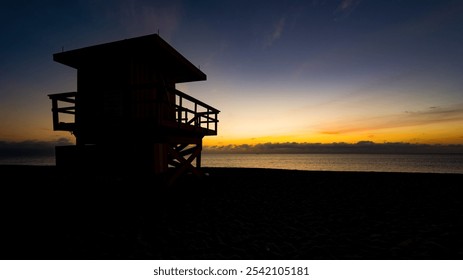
(231, 214)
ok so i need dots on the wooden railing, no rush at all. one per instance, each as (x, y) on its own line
(191, 111)
(67, 98)
(188, 111)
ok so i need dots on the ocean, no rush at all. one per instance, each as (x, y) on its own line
(421, 163)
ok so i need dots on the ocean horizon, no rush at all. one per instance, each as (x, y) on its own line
(415, 163)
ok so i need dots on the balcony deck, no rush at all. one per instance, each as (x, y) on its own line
(191, 115)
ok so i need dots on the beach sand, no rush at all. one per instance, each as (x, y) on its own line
(231, 214)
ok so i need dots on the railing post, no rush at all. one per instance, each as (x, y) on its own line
(197, 122)
(54, 109)
(179, 112)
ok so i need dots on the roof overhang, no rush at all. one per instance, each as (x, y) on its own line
(150, 48)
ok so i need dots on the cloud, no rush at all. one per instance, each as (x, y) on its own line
(30, 147)
(346, 7)
(277, 31)
(361, 147)
(431, 115)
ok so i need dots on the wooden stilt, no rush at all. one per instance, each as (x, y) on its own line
(182, 163)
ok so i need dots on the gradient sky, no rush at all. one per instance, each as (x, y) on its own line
(279, 71)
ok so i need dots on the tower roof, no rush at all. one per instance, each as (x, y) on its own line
(146, 49)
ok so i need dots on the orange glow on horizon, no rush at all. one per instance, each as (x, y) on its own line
(429, 134)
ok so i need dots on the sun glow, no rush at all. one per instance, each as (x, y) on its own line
(423, 134)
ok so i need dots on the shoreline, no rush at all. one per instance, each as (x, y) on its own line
(234, 213)
(408, 163)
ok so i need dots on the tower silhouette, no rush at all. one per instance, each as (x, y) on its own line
(128, 115)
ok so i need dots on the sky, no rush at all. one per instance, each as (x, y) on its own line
(279, 71)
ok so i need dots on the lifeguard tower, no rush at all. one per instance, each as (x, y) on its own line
(127, 114)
